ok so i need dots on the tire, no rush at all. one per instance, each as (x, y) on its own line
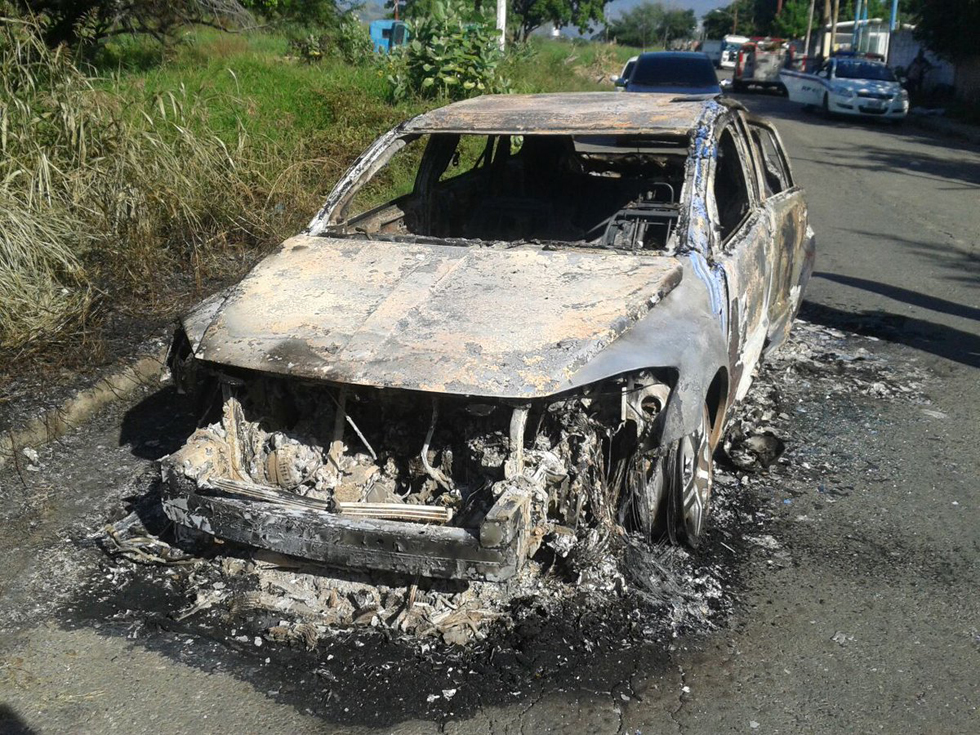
(690, 474)
(668, 493)
(645, 510)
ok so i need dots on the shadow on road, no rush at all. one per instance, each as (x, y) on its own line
(158, 425)
(936, 339)
(905, 295)
(781, 108)
(11, 723)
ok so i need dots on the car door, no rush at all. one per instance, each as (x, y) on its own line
(740, 233)
(790, 253)
(815, 86)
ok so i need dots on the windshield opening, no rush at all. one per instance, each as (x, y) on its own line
(614, 191)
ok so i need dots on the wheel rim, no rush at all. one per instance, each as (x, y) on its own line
(693, 480)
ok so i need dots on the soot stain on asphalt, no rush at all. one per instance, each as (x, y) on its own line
(370, 677)
(587, 640)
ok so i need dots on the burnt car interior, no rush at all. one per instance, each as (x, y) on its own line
(613, 191)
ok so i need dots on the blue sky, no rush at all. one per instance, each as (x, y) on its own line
(700, 7)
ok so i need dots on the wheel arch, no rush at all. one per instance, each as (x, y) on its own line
(717, 402)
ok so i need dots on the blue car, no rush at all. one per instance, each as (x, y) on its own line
(674, 72)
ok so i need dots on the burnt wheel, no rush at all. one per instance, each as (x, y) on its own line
(643, 510)
(689, 474)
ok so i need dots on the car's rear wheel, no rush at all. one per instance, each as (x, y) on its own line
(690, 474)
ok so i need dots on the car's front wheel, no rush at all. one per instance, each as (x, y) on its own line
(690, 475)
(669, 492)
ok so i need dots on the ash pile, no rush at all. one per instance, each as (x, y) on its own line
(447, 467)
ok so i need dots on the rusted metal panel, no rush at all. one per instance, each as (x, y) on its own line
(494, 321)
(570, 114)
(405, 548)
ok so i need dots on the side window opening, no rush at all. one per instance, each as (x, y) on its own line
(391, 185)
(730, 188)
(774, 169)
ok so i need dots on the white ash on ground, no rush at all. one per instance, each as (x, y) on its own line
(290, 601)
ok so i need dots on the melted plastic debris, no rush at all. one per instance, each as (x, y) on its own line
(661, 591)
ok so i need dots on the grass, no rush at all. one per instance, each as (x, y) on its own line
(137, 184)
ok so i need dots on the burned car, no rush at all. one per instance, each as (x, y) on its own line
(515, 320)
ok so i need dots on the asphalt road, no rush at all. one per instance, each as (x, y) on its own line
(867, 621)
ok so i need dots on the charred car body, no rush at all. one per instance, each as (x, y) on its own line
(543, 334)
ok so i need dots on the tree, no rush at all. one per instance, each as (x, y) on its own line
(75, 21)
(532, 14)
(651, 23)
(678, 23)
(947, 27)
(720, 22)
(792, 22)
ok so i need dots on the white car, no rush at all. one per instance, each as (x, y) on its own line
(729, 50)
(849, 86)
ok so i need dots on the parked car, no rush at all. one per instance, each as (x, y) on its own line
(712, 48)
(514, 317)
(674, 72)
(729, 50)
(849, 86)
(624, 76)
(759, 63)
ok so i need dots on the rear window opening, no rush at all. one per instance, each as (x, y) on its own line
(674, 71)
(611, 191)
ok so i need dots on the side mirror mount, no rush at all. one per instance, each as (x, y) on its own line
(619, 82)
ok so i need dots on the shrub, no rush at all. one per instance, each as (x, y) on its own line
(446, 56)
(353, 41)
(349, 40)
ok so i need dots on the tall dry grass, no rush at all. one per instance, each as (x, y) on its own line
(99, 200)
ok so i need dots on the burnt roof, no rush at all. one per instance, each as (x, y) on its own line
(608, 113)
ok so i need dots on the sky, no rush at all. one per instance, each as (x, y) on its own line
(700, 7)
(375, 8)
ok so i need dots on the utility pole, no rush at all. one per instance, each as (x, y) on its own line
(809, 28)
(502, 23)
(833, 25)
(856, 33)
(892, 29)
(825, 26)
(735, 19)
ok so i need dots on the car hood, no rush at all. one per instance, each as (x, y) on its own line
(868, 85)
(513, 322)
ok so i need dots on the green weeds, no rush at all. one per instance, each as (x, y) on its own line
(138, 185)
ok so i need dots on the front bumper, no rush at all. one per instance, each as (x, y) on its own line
(866, 107)
(494, 551)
